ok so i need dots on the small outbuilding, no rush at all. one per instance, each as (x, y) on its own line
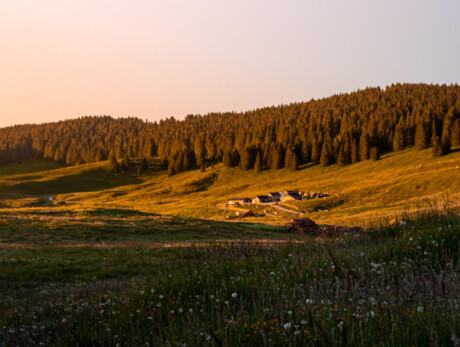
(239, 201)
(262, 199)
(275, 196)
(291, 195)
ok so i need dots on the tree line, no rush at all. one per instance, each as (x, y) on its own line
(342, 129)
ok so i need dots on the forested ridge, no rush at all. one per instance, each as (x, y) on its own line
(343, 129)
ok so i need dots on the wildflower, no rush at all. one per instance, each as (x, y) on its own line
(309, 301)
(287, 326)
(303, 322)
(161, 296)
(211, 297)
(181, 310)
(190, 310)
(172, 311)
(341, 325)
(289, 313)
(227, 302)
(371, 314)
(420, 309)
(234, 295)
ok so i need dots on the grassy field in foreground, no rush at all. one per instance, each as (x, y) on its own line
(389, 286)
(373, 190)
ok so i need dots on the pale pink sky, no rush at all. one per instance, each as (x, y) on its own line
(153, 59)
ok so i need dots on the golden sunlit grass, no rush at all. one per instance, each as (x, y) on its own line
(395, 184)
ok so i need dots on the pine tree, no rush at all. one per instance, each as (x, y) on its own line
(258, 166)
(306, 151)
(315, 151)
(113, 164)
(235, 157)
(364, 147)
(398, 139)
(277, 158)
(354, 151)
(375, 155)
(125, 163)
(247, 158)
(227, 159)
(288, 157)
(326, 156)
(455, 133)
(171, 171)
(294, 163)
(341, 158)
(446, 132)
(422, 139)
(437, 150)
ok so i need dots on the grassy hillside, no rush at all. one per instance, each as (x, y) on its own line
(397, 183)
(28, 166)
(392, 185)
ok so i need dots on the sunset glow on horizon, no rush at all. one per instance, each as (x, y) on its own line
(152, 59)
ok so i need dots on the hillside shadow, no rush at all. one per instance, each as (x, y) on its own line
(118, 212)
(85, 182)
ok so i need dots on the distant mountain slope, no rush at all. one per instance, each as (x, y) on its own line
(340, 129)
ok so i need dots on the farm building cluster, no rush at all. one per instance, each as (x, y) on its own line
(274, 197)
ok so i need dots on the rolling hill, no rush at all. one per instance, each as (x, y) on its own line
(393, 185)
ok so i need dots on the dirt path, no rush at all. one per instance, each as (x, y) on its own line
(264, 242)
(286, 210)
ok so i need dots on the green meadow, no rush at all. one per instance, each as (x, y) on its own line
(92, 258)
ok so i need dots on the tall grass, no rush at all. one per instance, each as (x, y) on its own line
(391, 286)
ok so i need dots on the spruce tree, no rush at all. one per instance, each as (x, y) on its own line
(455, 133)
(422, 139)
(125, 163)
(354, 151)
(375, 155)
(277, 158)
(294, 164)
(341, 158)
(306, 151)
(258, 166)
(437, 150)
(247, 158)
(113, 164)
(227, 159)
(288, 157)
(326, 156)
(364, 147)
(398, 139)
(315, 151)
(171, 171)
(445, 138)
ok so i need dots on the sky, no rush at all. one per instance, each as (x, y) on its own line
(153, 59)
